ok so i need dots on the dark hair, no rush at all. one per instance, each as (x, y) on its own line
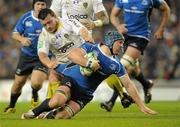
(44, 12)
(34, 1)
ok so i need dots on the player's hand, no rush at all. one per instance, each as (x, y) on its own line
(122, 28)
(53, 64)
(148, 111)
(159, 34)
(88, 24)
(25, 42)
(95, 65)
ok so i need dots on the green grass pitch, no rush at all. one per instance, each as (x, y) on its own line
(93, 116)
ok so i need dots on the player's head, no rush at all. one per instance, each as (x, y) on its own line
(35, 2)
(114, 41)
(48, 19)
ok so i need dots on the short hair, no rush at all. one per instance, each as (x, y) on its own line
(34, 1)
(44, 12)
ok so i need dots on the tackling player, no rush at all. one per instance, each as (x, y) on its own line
(86, 12)
(76, 90)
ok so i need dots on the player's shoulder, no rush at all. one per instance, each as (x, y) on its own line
(27, 15)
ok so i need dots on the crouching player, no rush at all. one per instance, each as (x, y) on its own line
(77, 89)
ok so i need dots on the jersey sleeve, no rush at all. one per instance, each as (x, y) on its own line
(43, 45)
(87, 47)
(119, 4)
(20, 25)
(75, 25)
(98, 6)
(157, 3)
(56, 7)
(122, 71)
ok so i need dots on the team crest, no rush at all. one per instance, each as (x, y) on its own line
(144, 2)
(85, 5)
(66, 36)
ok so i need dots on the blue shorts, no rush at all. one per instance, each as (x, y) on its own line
(28, 63)
(136, 42)
(78, 94)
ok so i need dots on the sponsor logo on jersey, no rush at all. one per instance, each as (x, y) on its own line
(112, 66)
(144, 2)
(78, 16)
(66, 47)
(28, 24)
(75, 23)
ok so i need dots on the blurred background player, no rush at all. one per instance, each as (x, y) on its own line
(27, 31)
(91, 13)
(77, 89)
(136, 29)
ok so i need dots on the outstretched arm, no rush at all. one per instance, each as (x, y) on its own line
(130, 87)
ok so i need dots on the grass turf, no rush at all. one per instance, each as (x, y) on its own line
(93, 116)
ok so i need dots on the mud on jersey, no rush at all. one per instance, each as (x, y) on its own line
(62, 41)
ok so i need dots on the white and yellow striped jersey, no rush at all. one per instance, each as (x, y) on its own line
(62, 41)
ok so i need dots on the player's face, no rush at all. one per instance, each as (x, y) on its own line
(117, 46)
(38, 6)
(50, 23)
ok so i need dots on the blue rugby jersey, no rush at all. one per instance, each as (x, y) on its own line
(137, 15)
(109, 65)
(30, 27)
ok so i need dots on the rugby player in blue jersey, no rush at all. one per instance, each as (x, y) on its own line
(76, 89)
(136, 30)
(26, 32)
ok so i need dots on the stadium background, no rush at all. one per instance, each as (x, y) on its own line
(160, 61)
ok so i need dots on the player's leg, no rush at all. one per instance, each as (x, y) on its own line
(53, 83)
(58, 100)
(147, 84)
(15, 92)
(37, 79)
(131, 62)
(114, 83)
(22, 72)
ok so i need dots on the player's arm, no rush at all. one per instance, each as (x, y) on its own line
(164, 8)
(23, 40)
(79, 29)
(43, 51)
(114, 18)
(100, 15)
(76, 55)
(86, 35)
(130, 87)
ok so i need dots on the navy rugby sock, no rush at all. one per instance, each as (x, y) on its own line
(43, 107)
(35, 94)
(114, 96)
(13, 99)
(142, 80)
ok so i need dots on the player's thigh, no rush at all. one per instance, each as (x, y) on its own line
(53, 76)
(112, 80)
(37, 77)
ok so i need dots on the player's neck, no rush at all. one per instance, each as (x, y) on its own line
(106, 50)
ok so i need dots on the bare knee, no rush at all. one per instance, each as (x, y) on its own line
(63, 115)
